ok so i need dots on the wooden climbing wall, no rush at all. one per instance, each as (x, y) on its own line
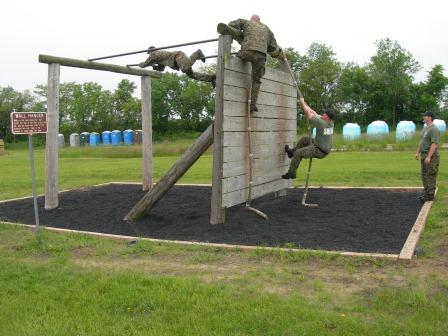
(272, 127)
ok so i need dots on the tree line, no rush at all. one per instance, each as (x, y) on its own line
(384, 88)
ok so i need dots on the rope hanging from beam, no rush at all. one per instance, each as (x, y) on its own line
(305, 193)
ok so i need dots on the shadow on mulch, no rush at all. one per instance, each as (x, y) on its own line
(357, 220)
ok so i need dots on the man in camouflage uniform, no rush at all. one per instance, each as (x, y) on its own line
(177, 60)
(256, 40)
(309, 148)
(429, 157)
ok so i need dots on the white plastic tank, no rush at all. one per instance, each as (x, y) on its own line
(377, 129)
(405, 130)
(440, 124)
(351, 131)
(61, 140)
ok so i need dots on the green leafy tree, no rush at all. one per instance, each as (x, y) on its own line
(354, 92)
(165, 99)
(11, 100)
(391, 69)
(127, 108)
(319, 74)
(428, 95)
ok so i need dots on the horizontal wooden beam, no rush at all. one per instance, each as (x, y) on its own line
(76, 63)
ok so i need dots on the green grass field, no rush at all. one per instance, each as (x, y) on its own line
(70, 284)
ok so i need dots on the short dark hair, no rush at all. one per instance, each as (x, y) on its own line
(429, 114)
(329, 113)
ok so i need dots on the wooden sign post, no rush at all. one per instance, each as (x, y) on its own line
(30, 123)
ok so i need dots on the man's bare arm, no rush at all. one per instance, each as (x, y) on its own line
(309, 112)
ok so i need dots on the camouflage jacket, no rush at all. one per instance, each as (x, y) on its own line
(257, 36)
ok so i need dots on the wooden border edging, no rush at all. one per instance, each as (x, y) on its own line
(406, 254)
(213, 245)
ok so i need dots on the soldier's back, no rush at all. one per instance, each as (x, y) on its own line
(256, 36)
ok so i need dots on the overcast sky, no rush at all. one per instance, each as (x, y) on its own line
(86, 29)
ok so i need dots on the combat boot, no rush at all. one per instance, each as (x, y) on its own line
(200, 55)
(158, 67)
(224, 29)
(289, 151)
(288, 176)
(253, 108)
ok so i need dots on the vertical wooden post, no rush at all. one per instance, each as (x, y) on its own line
(146, 133)
(52, 145)
(217, 212)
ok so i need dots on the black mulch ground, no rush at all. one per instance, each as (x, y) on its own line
(361, 220)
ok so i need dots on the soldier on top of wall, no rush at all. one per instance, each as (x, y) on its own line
(177, 60)
(256, 40)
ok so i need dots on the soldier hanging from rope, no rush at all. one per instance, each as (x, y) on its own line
(308, 148)
(256, 40)
(178, 60)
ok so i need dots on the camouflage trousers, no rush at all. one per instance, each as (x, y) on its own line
(258, 61)
(178, 60)
(304, 149)
(186, 66)
(429, 174)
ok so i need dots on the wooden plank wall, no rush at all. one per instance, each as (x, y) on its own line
(2, 147)
(272, 127)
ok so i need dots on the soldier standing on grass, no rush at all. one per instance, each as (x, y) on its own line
(177, 60)
(256, 40)
(429, 157)
(308, 148)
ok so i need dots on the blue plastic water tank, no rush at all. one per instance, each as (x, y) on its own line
(377, 128)
(115, 137)
(440, 124)
(105, 136)
(351, 131)
(405, 130)
(94, 139)
(128, 136)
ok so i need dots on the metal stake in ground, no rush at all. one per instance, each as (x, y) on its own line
(30, 123)
(33, 181)
(305, 193)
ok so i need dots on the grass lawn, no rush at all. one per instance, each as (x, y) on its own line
(71, 284)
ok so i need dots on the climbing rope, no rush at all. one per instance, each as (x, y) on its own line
(251, 156)
(305, 193)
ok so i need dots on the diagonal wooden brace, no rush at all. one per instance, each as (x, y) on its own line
(144, 206)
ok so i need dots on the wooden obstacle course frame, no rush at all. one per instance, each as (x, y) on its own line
(52, 147)
(276, 121)
(406, 254)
